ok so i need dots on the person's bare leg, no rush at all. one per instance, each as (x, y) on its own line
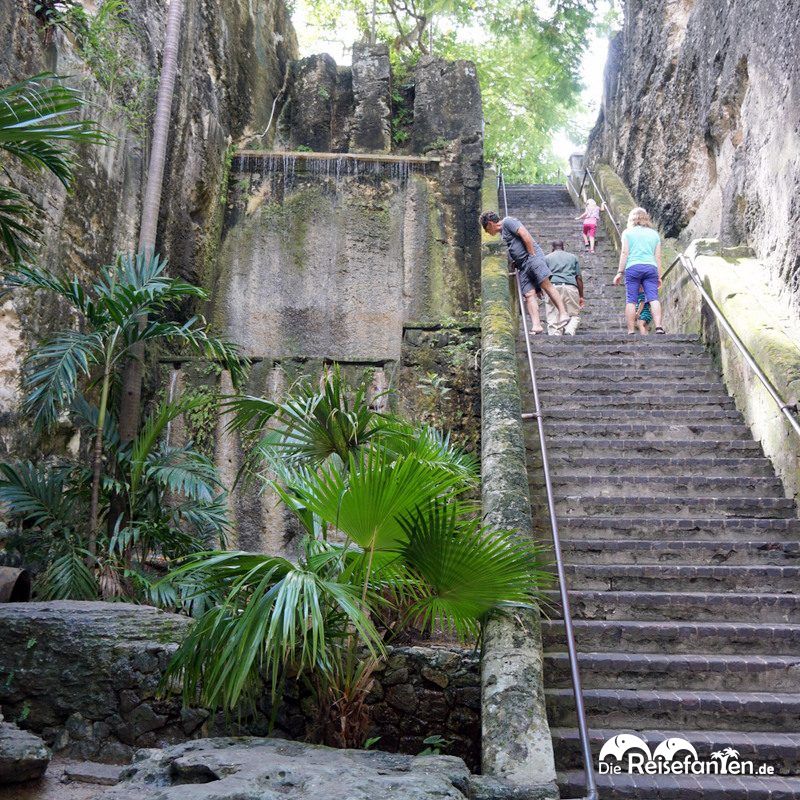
(642, 325)
(630, 316)
(532, 302)
(655, 307)
(591, 243)
(551, 291)
(585, 240)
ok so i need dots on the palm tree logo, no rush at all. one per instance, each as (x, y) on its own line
(724, 756)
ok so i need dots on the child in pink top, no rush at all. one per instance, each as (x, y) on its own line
(590, 217)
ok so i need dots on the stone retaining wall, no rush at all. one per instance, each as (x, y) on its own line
(85, 676)
(516, 736)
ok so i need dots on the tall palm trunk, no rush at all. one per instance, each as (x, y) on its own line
(130, 404)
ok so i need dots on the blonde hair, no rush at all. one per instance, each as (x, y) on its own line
(639, 216)
(591, 202)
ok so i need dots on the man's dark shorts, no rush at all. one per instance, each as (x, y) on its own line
(533, 272)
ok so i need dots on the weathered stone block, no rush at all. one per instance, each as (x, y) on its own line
(371, 128)
(23, 756)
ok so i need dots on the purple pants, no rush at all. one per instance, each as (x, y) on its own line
(645, 275)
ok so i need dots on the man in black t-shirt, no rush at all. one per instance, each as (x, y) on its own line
(528, 258)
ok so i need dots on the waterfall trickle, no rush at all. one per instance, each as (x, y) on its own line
(331, 165)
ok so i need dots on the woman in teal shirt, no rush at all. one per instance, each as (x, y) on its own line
(640, 263)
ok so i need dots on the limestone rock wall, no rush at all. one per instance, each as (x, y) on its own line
(85, 676)
(233, 60)
(701, 119)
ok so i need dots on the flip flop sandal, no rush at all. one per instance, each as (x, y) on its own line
(661, 331)
(561, 324)
(536, 333)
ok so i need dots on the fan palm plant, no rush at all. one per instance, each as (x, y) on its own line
(175, 505)
(110, 311)
(39, 119)
(388, 533)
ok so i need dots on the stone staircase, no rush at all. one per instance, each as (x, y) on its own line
(682, 551)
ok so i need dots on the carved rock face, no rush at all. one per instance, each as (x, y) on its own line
(700, 118)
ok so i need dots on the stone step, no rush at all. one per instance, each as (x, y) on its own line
(694, 404)
(628, 361)
(675, 605)
(600, 485)
(694, 528)
(614, 340)
(624, 447)
(695, 710)
(639, 415)
(676, 636)
(565, 388)
(652, 429)
(581, 347)
(780, 750)
(659, 671)
(683, 787)
(654, 551)
(660, 506)
(580, 466)
(654, 378)
(683, 577)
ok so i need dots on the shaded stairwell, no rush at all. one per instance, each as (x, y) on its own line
(681, 548)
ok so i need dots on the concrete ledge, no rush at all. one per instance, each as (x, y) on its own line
(516, 742)
(768, 331)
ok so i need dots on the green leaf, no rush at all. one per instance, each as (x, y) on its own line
(36, 496)
(367, 502)
(68, 578)
(50, 373)
(464, 570)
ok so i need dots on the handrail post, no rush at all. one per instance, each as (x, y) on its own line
(583, 729)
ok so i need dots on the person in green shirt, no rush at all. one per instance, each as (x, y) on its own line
(566, 278)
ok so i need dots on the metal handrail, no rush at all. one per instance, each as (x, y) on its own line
(787, 409)
(583, 729)
(588, 173)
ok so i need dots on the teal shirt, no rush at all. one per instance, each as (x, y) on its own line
(642, 244)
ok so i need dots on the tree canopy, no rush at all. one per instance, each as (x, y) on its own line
(528, 56)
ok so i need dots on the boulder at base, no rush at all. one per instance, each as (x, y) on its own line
(277, 769)
(23, 756)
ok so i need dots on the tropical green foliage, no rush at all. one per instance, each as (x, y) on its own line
(104, 38)
(528, 57)
(39, 120)
(128, 304)
(391, 541)
(174, 503)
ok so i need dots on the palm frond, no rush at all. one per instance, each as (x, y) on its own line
(184, 471)
(465, 570)
(144, 445)
(430, 445)
(16, 228)
(313, 424)
(68, 578)
(50, 373)
(69, 288)
(274, 616)
(367, 502)
(37, 497)
(38, 117)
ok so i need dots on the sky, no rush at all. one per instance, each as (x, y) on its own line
(312, 39)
